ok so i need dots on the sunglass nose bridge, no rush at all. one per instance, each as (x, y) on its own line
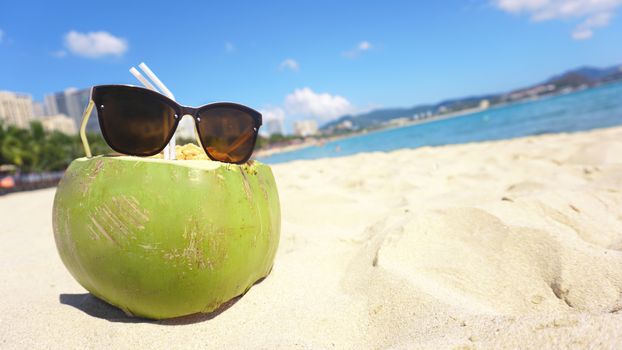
(177, 116)
(188, 111)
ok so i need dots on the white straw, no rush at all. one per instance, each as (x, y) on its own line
(157, 81)
(142, 79)
(169, 150)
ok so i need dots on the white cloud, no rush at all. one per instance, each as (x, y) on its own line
(229, 47)
(304, 104)
(593, 13)
(552, 9)
(364, 46)
(270, 113)
(585, 29)
(95, 44)
(289, 64)
(324, 106)
(1, 35)
(360, 48)
(582, 33)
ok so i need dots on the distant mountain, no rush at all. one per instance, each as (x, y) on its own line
(591, 73)
(377, 116)
(580, 77)
(571, 79)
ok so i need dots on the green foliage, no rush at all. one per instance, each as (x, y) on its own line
(263, 141)
(34, 150)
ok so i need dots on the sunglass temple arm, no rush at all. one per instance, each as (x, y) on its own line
(85, 120)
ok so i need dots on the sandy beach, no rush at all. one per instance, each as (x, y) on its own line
(508, 244)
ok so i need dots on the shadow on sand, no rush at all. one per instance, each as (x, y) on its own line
(93, 306)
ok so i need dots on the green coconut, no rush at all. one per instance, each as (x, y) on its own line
(160, 238)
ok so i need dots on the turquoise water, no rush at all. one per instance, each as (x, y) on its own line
(583, 110)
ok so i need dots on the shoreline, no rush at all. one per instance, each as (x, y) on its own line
(323, 141)
(319, 142)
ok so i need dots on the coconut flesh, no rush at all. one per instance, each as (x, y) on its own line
(166, 238)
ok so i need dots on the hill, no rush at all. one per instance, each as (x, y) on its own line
(577, 78)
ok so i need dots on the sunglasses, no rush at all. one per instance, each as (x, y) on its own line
(141, 122)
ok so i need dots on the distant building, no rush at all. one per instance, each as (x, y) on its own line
(345, 125)
(59, 122)
(305, 127)
(275, 126)
(37, 109)
(72, 103)
(532, 92)
(16, 109)
(399, 121)
(422, 115)
(484, 104)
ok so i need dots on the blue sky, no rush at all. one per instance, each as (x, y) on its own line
(306, 58)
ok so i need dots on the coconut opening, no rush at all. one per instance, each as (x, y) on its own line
(188, 151)
(192, 152)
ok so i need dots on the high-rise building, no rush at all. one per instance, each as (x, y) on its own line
(275, 126)
(16, 109)
(72, 103)
(50, 106)
(59, 122)
(305, 128)
(37, 109)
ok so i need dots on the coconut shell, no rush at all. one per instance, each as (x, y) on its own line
(162, 239)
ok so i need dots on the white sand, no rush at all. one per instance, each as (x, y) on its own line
(494, 245)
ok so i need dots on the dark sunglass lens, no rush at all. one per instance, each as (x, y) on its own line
(227, 134)
(134, 121)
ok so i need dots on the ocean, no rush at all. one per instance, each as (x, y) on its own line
(593, 108)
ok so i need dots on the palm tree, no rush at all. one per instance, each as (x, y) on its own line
(34, 150)
(13, 146)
